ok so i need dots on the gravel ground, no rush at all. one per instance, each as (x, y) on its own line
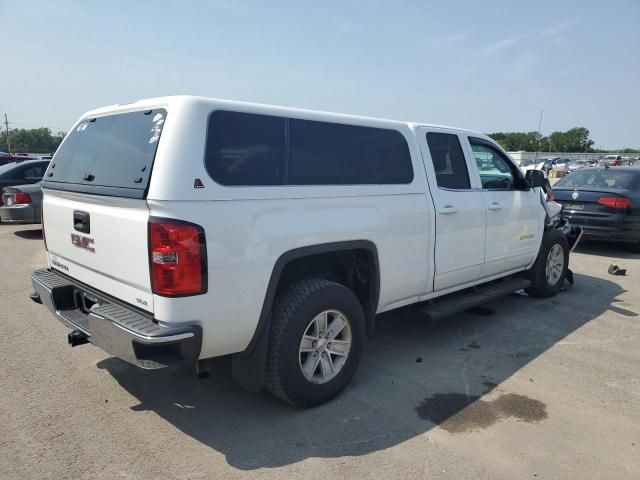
(522, 388)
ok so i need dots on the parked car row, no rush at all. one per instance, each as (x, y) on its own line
(20, 195)
(569, 166)
(618, 161)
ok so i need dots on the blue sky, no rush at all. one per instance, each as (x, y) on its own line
(485, 65)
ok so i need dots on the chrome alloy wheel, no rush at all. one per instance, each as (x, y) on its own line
(325, 346)
(555, 264)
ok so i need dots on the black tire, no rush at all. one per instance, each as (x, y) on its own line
(540, 286)
(293, 310)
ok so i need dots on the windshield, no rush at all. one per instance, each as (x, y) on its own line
(590, 178)
(110, 155)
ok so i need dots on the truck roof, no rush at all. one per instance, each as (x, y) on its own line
(176, 100)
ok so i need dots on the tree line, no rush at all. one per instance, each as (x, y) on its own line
(32, 140)
(573, 140)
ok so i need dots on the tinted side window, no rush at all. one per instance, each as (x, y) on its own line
(496, 171)
(245, 149)
(448, 161)
(324, 153)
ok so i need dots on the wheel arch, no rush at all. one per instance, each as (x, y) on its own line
(247, 365)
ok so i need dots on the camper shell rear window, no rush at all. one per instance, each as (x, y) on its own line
(108, 155)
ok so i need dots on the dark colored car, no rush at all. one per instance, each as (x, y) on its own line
(21, 204)
(22, 173)
(5, 158)
(604, 201)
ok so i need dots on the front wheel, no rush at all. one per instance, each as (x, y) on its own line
(550, 268)
(316, 341)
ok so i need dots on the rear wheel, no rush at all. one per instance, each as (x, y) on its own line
(316, 342)
(550, 268)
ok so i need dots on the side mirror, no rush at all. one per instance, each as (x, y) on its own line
(535, 178)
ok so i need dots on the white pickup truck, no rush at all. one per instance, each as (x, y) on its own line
(181, 228)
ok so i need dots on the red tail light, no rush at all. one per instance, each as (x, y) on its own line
(614, 202)
(551, 197)
(177, 258)
(21, 198)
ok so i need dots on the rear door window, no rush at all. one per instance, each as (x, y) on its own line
(111, 155)
(448, 161)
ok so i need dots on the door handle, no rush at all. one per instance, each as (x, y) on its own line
(495, 206)
(81, 221)
(447, 210)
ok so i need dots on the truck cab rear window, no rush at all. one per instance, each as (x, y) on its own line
(110, 155)
(250, 149)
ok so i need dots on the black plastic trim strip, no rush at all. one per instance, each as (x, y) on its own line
(137, 193)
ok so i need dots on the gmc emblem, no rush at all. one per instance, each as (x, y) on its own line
(83, 242)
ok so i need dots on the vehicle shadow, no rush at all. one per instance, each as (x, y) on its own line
(33, 234)
(606, 249)
(415, 374)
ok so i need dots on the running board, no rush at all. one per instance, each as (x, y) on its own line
(460, 301)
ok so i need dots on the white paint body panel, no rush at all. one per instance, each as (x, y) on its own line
(119, 266)
(459, 226)
(248, 228)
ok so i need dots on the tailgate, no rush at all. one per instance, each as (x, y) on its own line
(100, 241)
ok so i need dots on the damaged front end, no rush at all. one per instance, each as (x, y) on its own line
(555, 219)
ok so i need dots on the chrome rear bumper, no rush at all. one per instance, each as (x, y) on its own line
(122, 331)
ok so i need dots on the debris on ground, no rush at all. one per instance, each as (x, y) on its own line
(616, 270)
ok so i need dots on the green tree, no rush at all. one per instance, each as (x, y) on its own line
(573, 140)
(577, 140)
(515, 141)
(35, 140)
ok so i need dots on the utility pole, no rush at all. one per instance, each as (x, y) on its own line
(6, 126)
(538, 139)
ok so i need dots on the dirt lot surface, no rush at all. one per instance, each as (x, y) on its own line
(522, 388)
